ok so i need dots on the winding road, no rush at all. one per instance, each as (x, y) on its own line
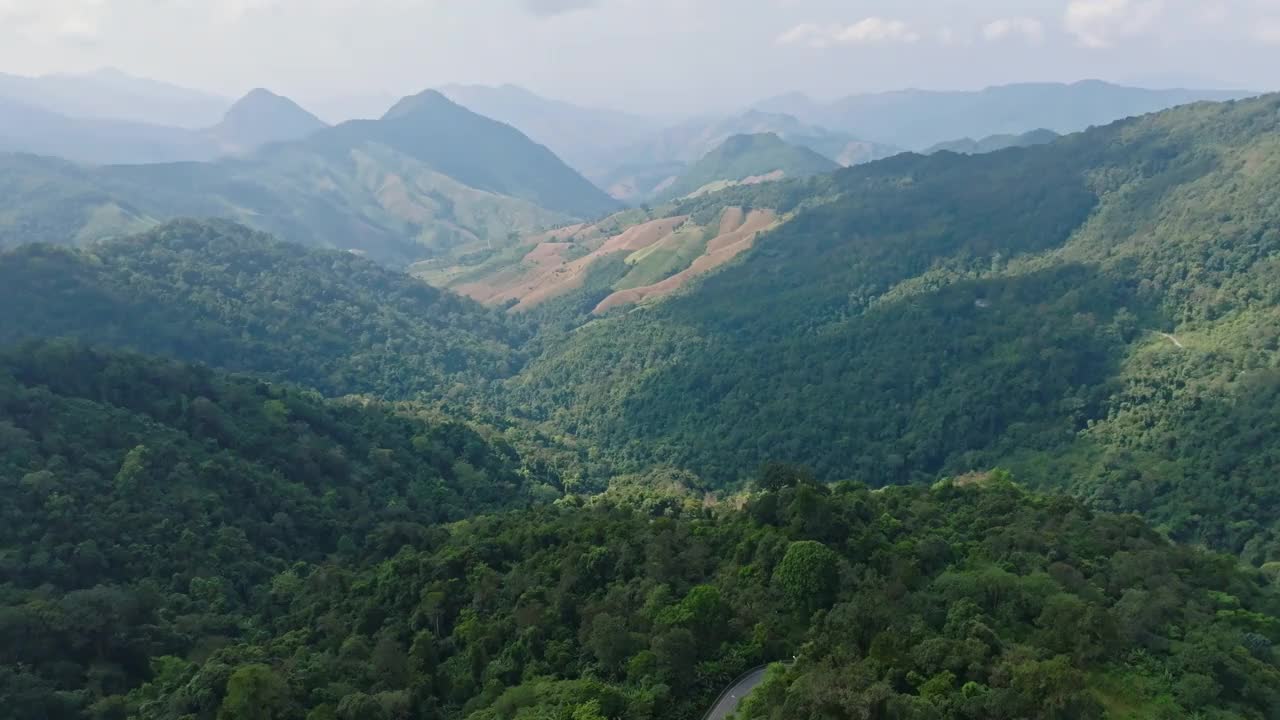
(734, 695)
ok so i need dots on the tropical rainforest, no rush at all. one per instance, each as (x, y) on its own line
(987, 436)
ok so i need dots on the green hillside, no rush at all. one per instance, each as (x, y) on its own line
(1105, 303)
(221, 294)
(750, 156)
(154, 509)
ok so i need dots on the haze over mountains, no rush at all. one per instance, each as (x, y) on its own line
(257, 119)
(917, 119)
(109, 94)
(582, 136)
(616, 152)
(112, 118)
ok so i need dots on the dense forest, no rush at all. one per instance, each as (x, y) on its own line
(141, 496)
(1105, 302)
(221, 294)
(226, 567)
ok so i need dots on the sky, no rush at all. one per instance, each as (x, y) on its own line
(654, 56)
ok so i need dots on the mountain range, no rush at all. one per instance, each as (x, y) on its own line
(429, 178)
(960, 435)
(259, 118)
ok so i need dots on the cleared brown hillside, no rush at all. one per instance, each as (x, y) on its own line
(570, 277)
(737, 235)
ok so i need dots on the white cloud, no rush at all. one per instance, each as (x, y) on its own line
(1029, 29)
(547, 8)
(1101, 23)
(1267, 32)
(868, 31)
(76, 21)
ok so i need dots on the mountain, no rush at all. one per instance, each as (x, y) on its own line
(110, 94)
(261, 118)
(691, 141)
(638, 171)
(1102, 306)
(430, 180)
(918, 119)
(582, 136)
(749, 159)
(477, 151)
(220, 294)
(993, 143)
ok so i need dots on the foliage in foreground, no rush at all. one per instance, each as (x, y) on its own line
(967, 600)
(149, 508)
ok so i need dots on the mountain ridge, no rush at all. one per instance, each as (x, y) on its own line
(431, 180)
(917, 119)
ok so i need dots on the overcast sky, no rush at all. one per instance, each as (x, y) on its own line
(656, 55)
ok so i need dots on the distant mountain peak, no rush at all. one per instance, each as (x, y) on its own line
(263, 100)
(259, 94)
(425, 101)
(262, 117)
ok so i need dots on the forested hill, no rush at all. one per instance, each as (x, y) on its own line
(753, 158)
(221, 294)
(1105, 303)
(158, 509)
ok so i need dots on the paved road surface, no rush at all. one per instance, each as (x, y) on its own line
(729, 701)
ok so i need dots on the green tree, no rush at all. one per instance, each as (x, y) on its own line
(809, 574)
(255, 692)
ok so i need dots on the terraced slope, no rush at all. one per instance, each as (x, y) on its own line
(645, 261)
